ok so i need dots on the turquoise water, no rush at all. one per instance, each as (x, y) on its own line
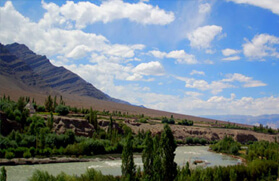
(113, 167)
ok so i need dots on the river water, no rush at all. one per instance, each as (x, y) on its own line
(113, 167)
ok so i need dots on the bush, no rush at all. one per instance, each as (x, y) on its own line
(9, 155)
(27, 154)
(189, 140)
(41, 109)
(62, 110)
(203, 141)
(196, 140)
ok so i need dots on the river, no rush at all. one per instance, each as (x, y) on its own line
(113, 167)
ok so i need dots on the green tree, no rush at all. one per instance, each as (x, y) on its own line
(168, 145)
(61, 101)
(21, 104)
(110, 126)
(50, 121)
(93, 119)
(147, 157)
(128, 167)
(62, 110)
(49, 104)
(54, 103)
(3, 174)
(157, 162)
(233, 175)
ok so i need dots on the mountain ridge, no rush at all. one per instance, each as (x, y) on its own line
(59, 79)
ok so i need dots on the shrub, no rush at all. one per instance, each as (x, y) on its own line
(41, 108)
(196, 140)
(203, 141)
(62, 110)
(189, 140)
(27, 154)
(9, 155)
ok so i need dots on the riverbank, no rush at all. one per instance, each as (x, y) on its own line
(243, 160)
(64, 159)
(34, 161)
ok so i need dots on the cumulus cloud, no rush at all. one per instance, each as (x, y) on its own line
(215, 105)
(204, 8)
(203, 36)
(261, 46)
(233, 58)
(248, 81)
(180, 55)
(195, 72)
(84, 13)
(272, 5)
(150, 68)
(45, 39)
(229, 52)
(193, 94)
(217, 86)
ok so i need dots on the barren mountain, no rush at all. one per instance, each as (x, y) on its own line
(58, 78)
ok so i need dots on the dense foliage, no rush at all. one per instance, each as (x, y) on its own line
(186, 122)
(36, 138)
(226, 145)
(168, 121)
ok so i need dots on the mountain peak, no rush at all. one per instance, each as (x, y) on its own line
(58, 78)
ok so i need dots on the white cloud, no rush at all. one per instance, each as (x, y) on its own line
(202, 36)
(180, 55)
(84, 13)
(248, 81)
(204, 8)
(229, 52)
(215, 105)
(234, 58)
(158, 54)
(150, 68)
(193, 94)
(195, 72)
(45, 39)
(261, 46)
(217, 86)
(272, 5)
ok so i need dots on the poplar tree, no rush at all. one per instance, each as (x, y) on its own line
(168, 145)
(128, 167)
(49, 104)
(147, 157)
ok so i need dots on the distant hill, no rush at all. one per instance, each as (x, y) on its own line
(18, 63)
(270, 120)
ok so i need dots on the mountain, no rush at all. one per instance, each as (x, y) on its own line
(39, 71)
(18, 72)
(271, 120)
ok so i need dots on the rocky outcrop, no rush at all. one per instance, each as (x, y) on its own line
(244, 138)
(80, 127)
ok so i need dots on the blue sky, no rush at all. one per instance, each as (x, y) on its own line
(193, 57)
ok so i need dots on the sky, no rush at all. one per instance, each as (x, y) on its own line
(193, 57)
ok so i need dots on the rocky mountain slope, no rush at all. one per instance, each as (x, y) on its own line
(18, 62)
